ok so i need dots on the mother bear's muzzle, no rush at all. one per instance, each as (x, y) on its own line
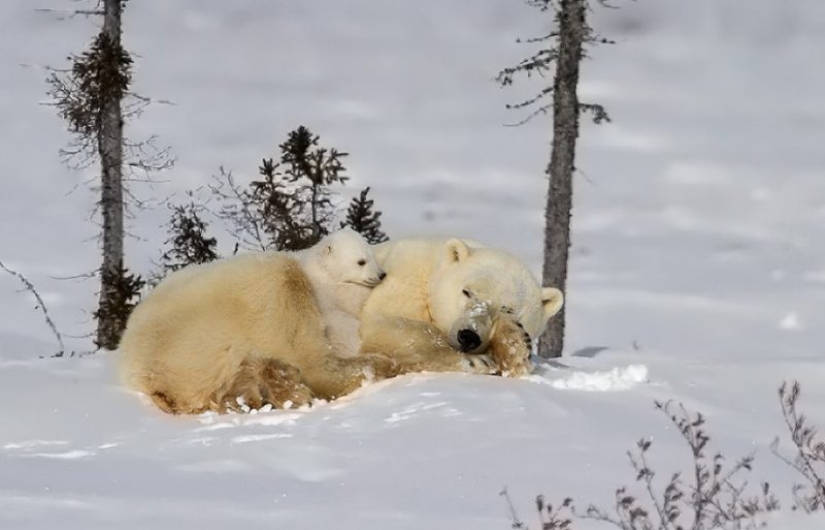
(471, 332)
(468, 340)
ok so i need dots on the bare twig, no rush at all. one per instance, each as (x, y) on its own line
(81, 276)
(550, 518)
(516, 523)
(713, 499)
(42, 306)
(545, 59)
(66, 14)
(810, 451)
(237, 210)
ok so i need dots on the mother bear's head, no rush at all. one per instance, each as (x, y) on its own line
(472, 285)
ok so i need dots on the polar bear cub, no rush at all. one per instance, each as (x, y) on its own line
(342, 270)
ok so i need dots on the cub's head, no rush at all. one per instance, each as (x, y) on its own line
(347, 258)
(471, 286)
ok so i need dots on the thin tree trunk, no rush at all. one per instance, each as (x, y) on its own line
(110, 145)
(571, 19)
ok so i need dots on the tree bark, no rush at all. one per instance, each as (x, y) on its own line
(110, 147)
(572, 29)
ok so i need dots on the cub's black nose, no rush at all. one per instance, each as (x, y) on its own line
(382, 275)
(468, 340)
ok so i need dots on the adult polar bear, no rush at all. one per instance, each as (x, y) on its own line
(257, 327)
(252, 326)
(445, 297)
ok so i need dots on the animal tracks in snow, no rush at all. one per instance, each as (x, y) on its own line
(422, 407)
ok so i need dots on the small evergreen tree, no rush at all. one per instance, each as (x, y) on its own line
(308, 173)
(291, 207)
(365, 221)
(187, 236)
(280, 210)
(93, 95)
(89, 97)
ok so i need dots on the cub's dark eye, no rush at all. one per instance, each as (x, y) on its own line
(362, 262)
(466, 293)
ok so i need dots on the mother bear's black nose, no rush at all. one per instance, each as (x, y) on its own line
(468, 340)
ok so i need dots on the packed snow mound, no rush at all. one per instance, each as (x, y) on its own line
(95, 453)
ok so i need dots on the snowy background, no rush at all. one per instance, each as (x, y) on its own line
(698, 268)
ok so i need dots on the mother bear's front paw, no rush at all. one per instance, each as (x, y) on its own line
(479, 363)
(510, 348)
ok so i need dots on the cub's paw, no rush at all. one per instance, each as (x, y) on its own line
(510, 348)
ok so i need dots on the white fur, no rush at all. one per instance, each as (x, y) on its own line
(455, 285)
(472, 284)
(342, 270)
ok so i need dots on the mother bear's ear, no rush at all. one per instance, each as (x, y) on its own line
(551, 300)
(456, 251)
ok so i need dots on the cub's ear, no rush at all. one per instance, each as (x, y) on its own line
(456, 251)
(327, 250)
(551, 299)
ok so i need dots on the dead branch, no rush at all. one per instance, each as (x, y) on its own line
(67, 14)
(42, 306)
(809, 460)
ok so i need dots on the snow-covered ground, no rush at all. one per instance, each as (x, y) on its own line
(698, 270)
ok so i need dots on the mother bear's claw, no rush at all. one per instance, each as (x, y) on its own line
(480, 363)
(511, 348)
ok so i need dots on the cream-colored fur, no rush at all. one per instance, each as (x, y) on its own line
(341, 325)
(444, 297)
(260, 328)
(246, 328)
(342, 270)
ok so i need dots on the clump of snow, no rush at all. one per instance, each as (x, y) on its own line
(619, 378)
(479, 309)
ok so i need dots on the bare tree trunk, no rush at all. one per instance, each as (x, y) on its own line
(110, 145)
(572, 31)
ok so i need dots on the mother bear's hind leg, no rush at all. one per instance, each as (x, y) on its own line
(262, 381)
